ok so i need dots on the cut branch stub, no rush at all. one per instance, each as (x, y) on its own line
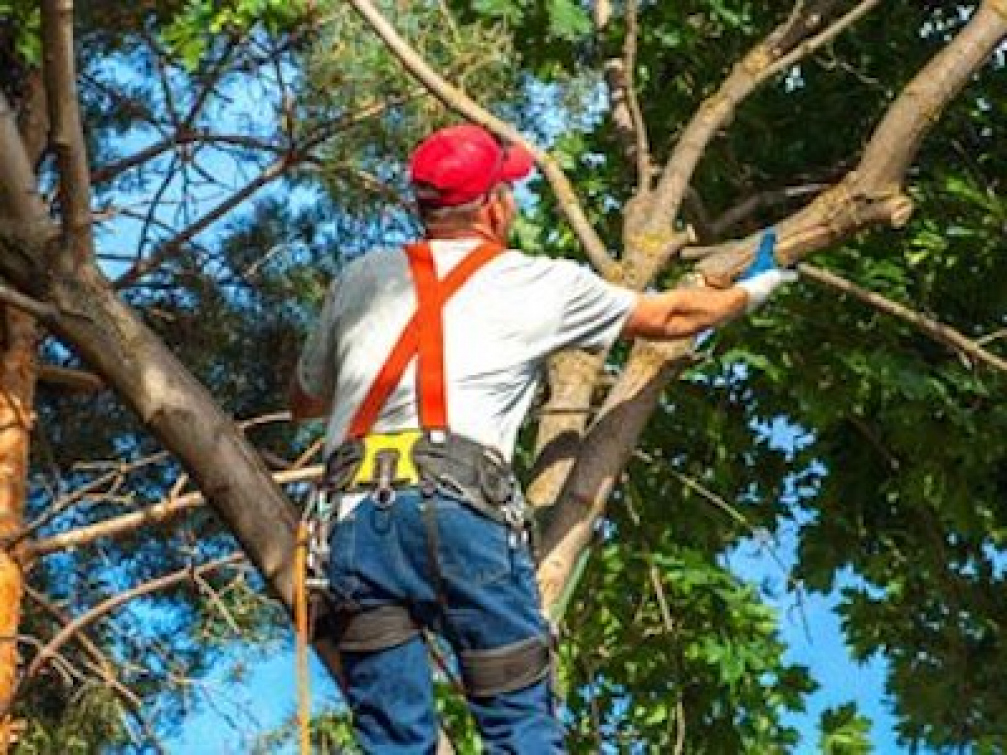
(834, 216)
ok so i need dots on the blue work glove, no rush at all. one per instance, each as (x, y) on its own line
(763, 276)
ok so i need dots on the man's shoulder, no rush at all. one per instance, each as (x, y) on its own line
(541, 266)
(379, 260)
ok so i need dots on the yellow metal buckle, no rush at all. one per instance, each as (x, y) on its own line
(393, 451)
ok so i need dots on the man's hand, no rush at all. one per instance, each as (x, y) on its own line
(763, 276)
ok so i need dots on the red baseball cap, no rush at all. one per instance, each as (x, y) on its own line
(459, 164)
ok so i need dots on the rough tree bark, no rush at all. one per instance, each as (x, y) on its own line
(17, 387)
(18, 374)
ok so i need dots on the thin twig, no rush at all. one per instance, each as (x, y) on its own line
(643, 168)
(761, 201)
(119, 599)
(206, 588)
(938, 331)
(272, 172)
(824, 37)
(100, 662)
(110, 478)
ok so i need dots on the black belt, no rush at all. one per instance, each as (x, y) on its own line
(452, 463)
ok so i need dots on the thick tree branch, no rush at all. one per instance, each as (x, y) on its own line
(19, 199)
(605, 450)
(650, 242)
(67, 134)
(571, 376)
(940, 332)
(33, 120)
(456, 100)
(872, 193)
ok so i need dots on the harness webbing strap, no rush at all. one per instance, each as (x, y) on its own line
(430, 325)
(423, 337)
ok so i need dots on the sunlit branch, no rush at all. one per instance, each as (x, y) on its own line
(825, 37)
(642, 151)
(100, 663)
(154, 514)
(108, 480)
(872, 193)
(620, 74)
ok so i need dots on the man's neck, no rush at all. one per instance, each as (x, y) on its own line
(471, 232)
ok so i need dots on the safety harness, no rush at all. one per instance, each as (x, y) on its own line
(435, 460)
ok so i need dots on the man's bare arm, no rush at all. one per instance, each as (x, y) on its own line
(683, 312)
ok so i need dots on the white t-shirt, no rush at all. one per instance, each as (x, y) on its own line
(498, 329)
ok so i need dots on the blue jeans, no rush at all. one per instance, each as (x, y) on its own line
(381, 555)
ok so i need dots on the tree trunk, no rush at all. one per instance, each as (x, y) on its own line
(18, 368)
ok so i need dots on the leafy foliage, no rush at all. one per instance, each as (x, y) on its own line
(844, 732)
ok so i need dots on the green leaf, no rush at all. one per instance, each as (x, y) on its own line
(845, 731)
(567, 19)
(509, 11)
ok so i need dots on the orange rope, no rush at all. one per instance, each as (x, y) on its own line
(302, 631)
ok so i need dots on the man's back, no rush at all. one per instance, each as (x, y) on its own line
(498, 328)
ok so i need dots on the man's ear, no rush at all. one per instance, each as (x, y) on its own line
(495, 212)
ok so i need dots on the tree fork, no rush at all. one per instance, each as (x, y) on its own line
(866, 197)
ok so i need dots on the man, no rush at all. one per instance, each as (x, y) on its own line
(426, 361)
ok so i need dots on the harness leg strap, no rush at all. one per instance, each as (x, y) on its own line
(374, 629)
(505, 669)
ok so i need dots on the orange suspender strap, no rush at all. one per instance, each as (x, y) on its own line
(430, 324)
(422, 337)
